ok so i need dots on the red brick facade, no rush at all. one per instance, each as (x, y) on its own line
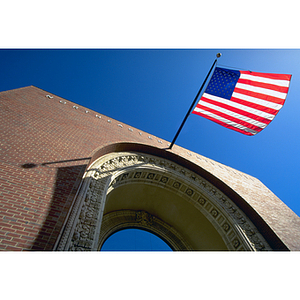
(46, 145)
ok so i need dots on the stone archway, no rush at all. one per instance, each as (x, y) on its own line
(185, 210)
(124, 219)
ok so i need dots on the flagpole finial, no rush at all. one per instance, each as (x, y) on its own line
(219, 55)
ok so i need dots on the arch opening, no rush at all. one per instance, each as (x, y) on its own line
(134, 239)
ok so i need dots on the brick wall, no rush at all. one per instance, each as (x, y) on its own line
(45, 147)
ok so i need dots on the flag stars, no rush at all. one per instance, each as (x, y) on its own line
(222, 83)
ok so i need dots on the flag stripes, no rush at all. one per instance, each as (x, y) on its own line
(240, 109)
(282, 89)
(253, 104)
(225, 122)
(233, 116)
(260, 90)
(260, 105)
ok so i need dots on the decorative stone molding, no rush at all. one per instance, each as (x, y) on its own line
(144, 218)
(110, 171)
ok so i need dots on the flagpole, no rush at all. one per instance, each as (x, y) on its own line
(193, 104)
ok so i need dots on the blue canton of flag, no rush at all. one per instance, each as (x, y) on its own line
(222, 83)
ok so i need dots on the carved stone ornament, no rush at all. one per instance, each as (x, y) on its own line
(82, 229)
(144, 218)
(120, 219)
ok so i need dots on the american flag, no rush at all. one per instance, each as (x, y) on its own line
(244, 101)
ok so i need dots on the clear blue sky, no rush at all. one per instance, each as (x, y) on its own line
(153, 89)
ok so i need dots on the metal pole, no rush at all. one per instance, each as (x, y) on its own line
(170, 147)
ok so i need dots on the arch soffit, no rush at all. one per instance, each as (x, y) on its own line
(237, 231)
